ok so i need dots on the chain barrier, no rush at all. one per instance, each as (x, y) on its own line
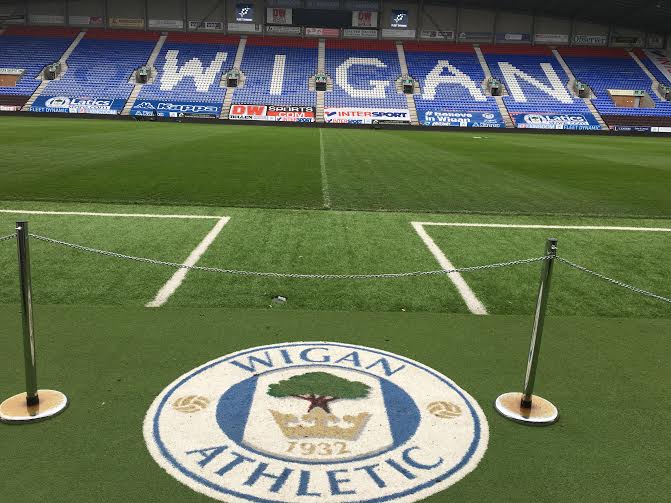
(286, 275)
(615, 282)
(438, 272)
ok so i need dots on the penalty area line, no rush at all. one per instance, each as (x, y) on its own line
(177, 279)
(540, 226)
(472, 302)
(102, 214)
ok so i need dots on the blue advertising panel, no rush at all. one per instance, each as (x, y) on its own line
(399, 18)
(83, 105)
(460, 119)
(244, 12)
(572, 121)
(159, 108)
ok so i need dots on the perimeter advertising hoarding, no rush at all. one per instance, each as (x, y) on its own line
(81, 105)
(158, 108)
(449, 118)
(272, 113)
(524, 120)
(366, 115)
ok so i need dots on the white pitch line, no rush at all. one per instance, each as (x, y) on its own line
(325, 181)
(176, 280)
(96, 214)
(533, 226)
(474, 305)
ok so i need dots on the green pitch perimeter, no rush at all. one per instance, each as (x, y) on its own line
(169, 163)
(603, 360)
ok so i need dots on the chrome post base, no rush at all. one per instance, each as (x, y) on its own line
(16, 410)
(541, 412)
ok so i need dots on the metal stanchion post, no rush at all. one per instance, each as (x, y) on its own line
(525, 407)
(34, 404)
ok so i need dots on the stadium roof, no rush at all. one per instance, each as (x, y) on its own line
(648, 15)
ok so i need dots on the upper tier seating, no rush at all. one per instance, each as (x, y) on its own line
(427, 63)
(31, 49)
(291, 86)
(652, 67)
(191, 71)
(535, 80)
(101, 66)
(605, 69)
(369, 82)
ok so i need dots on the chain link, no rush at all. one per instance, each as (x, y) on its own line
(286, 275)
(7, 238)
(616, 282)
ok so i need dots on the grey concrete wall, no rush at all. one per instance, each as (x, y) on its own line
(125, 9)
(438, 17)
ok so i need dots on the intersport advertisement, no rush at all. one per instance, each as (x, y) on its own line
(583, 122)
(366, 115)
(450, 118)
(83, 105)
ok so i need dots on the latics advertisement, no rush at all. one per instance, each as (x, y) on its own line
(82, 105)
(272, 113)
(366, 115)
(153, 108)
(460, 119)
(555, 121)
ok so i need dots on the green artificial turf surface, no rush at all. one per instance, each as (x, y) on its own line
(603, 359)
(607, 377)
(122, 161)
(339, 242)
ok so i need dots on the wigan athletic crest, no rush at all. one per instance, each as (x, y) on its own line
(316, 421)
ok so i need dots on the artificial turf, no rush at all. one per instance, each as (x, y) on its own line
(197, 164)
(603, 353)
(607, 377)
(339, 242)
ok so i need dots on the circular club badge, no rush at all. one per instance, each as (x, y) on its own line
(316, 421)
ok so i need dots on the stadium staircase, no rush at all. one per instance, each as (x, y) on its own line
(656, 85)
(64, 66)
(571, 86)
(237, 63)
(138, 87)
(410, 98)
(503, 110)
(321, 68)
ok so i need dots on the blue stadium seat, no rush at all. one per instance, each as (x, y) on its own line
(300, 64)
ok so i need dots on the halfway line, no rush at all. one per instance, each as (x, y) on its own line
(325, 181)
(176, 280)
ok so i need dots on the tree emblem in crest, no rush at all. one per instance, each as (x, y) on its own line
(320, 389)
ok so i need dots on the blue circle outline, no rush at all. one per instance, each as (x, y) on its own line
(211, 485)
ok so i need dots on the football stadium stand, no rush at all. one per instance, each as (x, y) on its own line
(451, 84)
(536, 85)
(189, 69)
(364, 75)
(612, 73)
(29, 50)
(277, 72)
(102, 64)
(447, 84)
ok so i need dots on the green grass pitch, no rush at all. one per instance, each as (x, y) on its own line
(603, 360)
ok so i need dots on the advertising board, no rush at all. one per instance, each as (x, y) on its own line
(366, 115)
(452, 118)
(157, 108)
(524, 120)
(358, 33)
(272, 113)
(81, 105)
(277, 15)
